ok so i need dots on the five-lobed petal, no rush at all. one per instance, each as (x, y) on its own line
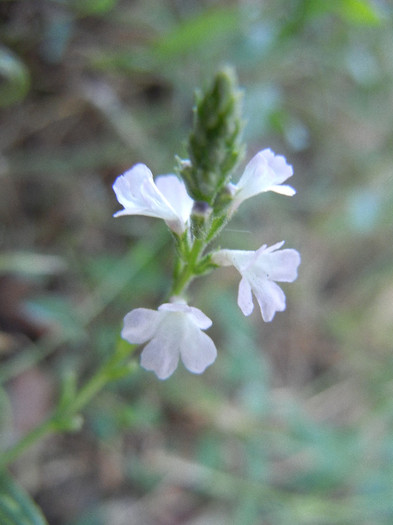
(259, 270)
(265, 172)
(165, 198)
(172, 332)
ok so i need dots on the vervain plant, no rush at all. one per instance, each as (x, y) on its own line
(196, 203)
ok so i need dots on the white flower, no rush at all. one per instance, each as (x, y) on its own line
(259, 271)
(165, 198)
(174, 331)
(265, 172)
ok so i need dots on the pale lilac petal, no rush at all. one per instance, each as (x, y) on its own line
(136, 191)
(265, 172)
(127, 186)
(282, 265)
(240, 259)
(271, 299)
(161, 356)
(278, 164)
(140, 325)
(174, 190)
(125, 212)
(139, 195)
(269, 249)
(244, 297)
(154, 202)
(196, 316)
(200, 319)
(174, 307)
(223, 258)
(255, 179)
(198, 350)
(283, 189)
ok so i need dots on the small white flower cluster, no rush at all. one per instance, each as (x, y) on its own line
(175, 329)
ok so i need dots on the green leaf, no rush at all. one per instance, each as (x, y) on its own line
(16, 507)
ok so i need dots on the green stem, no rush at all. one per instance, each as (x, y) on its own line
(46, 427)
(63, 415)
(187, 273)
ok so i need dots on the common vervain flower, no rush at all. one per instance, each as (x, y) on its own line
(259, 270)
(165, 197)
(265, 172)
(173, 331)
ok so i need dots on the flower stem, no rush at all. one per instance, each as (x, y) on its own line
(188, 273)
(64, 416)
(46, 427)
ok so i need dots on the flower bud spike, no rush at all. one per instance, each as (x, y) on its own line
(214, 145)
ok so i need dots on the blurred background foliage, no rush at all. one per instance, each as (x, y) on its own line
(293, 424)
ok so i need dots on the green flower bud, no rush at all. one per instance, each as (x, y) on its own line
(200, 218)
(214, 145)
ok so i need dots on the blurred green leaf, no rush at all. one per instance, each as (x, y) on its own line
(14, 78)
(93, 7)
(5, 418)
(57, 311)
(16, 507)
(202, 30)
(358, 11)
(248, 508)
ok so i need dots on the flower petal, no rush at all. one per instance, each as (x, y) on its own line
(269, 249)
(271, 299)
(160, 356)
(282, 265)
(140, 325)
(127, 186)
(265, 172)
(283, 189)
(200, 319)
(138, 193)
(222, 258)
(240, 259)
(197, 350)
(255, 178)
(278, 164)
(244, 297)
(174, 190)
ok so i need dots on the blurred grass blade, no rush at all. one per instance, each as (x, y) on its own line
(203, 30)
(5, 419)
(28, 263)
(209, 30)
(14, 78)
(16, 507)
(93, 7)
